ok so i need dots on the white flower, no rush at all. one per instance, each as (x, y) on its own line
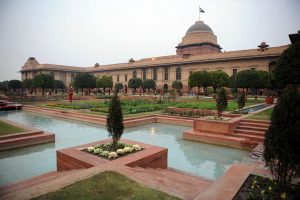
(112, 155)
(136, 147)
(127, 149)
(91, 149)
(120, 151)
(99, 150)
(104, 153)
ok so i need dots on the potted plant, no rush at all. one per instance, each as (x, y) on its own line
(269, 97)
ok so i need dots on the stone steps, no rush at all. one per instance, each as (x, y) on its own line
(252, 137)
(249, 132)
(252, 128)
(256, 121)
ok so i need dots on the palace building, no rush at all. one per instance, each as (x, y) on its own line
(199, 50)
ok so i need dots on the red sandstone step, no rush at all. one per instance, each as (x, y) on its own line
(21, 134)
(256, 121)
(220, 139)
(178, 178)
(250, 132)
(252, 137)
(26, 141)
(184, 186)
(255, 128)
(253, 124)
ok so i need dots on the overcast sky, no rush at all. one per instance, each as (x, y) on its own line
(83, 32)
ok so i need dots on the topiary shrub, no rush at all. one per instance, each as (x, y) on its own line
(282, 140)
(221, 100)
(114, 121)
(241, 100)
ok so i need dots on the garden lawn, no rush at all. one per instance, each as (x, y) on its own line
(264, 115)
(107, 186)
(8, 129)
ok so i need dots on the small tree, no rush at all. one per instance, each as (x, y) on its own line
(219, 79)
(135, 83)
(177, 85)
(104, 82)
(282, 140)
(200, 79)
(241, 101)
(149, 84)
(3, 87)
(14, 84)
(27, 84)
(84, 80)
(44, 81)
(221, 100)
(57, 84)
(114, 122)
(248, 79)
(118, 86)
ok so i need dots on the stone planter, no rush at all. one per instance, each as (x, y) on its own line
(269, 100)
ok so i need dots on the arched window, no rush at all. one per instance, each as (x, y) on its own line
(178, 74)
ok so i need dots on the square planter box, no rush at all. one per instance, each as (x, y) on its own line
(74, 158)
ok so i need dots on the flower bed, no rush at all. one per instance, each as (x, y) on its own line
(257, 187)
(106, 150)
(188, 112)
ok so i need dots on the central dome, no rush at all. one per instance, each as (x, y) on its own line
(199, 26)
(198, 40)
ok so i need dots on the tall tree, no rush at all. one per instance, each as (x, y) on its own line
(287, 70)
(135, 83)
(84, 80)
(114, 122)
(282, 140)
(219, 79)
(221, 101)
(44, 81)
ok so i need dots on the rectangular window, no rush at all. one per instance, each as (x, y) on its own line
(154, 74)
(118, 78)
(234, 71)
(144, 74)
(126, 78)
(253, 68)
(166, 73)
(134, 74)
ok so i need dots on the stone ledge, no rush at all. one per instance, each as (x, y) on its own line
(31, 136)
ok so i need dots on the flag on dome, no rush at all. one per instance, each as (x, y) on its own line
(201, 10)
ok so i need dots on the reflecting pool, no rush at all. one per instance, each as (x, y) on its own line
(198, 158)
